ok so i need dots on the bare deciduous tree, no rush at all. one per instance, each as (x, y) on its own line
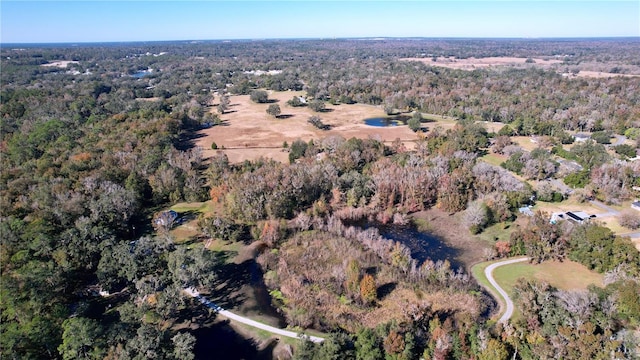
(629, 219)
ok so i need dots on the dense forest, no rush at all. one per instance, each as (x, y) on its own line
(93, 152)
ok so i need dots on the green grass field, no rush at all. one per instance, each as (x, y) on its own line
(497, 232)
(188, 231)
(566, 275)
(197, 207)
(493, 159)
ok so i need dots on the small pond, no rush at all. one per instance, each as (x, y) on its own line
(141, 74)
(423, 245)
(222, 341)
(210, 340)
(387, 121)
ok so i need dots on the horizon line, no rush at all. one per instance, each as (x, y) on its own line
(609, 37)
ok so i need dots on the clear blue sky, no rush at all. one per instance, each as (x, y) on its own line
(95, 21)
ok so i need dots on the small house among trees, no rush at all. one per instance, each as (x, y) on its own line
(166, 218)
(579, 217)
(581, 137)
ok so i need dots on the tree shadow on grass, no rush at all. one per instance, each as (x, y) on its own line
(188, 139)
(184, 216)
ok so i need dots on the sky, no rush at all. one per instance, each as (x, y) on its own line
(28, 21)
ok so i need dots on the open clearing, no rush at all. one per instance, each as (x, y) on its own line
(597, 74)
(248, 132)
(565, 275)
(475, 63)
(571, 204)
(488, 62)
(60, 64)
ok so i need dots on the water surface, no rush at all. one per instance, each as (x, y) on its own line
(388, 121)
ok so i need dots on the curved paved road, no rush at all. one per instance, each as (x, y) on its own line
(488, 272)
(620, 139)
(228, 314)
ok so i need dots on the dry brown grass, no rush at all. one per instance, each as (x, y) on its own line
(475, 63)
(248, 132)
(571, 204)
(493, 126)
(524, 142)
(60, 64)
(598, 74)
(479, 63)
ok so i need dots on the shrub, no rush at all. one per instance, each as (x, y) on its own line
(214, 146)
(514, 163)
(625, 150)
(601, 137)
(577, 179)
(295, 102)
(317, 122)
(506, 130)
(274, 110)
(317, 106)
(566, 138)
(557, 197)
(414, 124)
(632, 133)
(629, 219)
(298, 148)
(259, 96)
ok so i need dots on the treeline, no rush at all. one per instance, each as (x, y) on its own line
(366, 173)
(534, 101)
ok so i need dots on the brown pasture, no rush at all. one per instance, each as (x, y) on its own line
(479, 63)
(475, 63)
(248, 132)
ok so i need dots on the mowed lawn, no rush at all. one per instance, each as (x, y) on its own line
(570, 204)
(566, 275)
(188, 230)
